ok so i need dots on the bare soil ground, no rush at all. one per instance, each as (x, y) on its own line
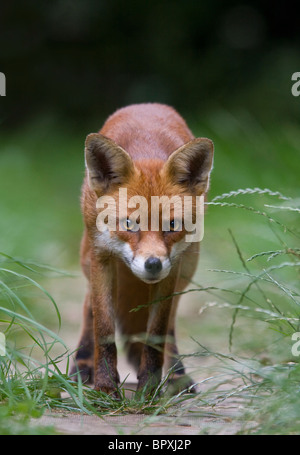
(197, 418)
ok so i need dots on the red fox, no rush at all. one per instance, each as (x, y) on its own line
(148, 150)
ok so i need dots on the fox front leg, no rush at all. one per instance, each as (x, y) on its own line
(150, 370)
(106, 377)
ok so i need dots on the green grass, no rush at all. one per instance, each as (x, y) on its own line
(31, 379)
(241, 309)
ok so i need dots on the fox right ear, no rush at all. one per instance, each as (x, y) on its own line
(107, 163)
(191, 164)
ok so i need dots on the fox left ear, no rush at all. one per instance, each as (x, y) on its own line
(190, 165)
(107, 163)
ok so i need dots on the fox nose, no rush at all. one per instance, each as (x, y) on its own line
(153, 265)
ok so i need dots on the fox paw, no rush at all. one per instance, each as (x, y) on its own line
(85, 370)
(111, 391)
(180, 383)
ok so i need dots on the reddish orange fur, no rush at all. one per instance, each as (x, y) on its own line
(149, 134)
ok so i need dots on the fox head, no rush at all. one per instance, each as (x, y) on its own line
(148, 244)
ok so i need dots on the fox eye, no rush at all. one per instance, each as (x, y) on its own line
(175, 225)
(129, 225)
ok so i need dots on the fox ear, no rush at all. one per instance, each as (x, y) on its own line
(191, 164)
(107, 163)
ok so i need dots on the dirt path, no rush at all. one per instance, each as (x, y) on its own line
(197, 418)
(76, 424)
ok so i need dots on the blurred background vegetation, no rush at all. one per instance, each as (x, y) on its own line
(80, 60)
(226, 66)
